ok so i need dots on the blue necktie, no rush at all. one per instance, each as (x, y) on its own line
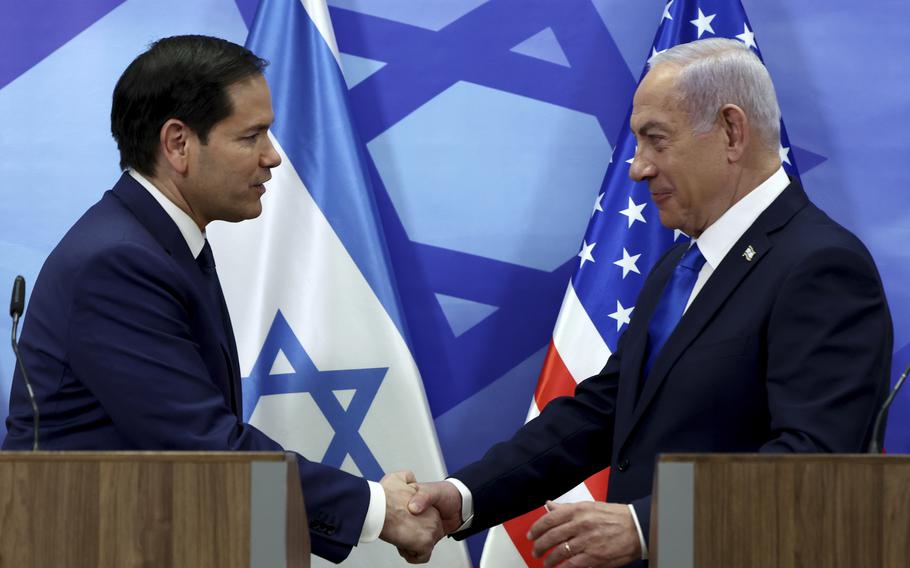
(672, 303)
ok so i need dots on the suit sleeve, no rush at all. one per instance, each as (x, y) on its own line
(131, 344)
(570, 440)
(829, 354)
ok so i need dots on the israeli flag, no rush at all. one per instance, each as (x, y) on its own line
(326, 367)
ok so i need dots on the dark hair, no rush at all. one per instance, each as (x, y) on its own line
(182, 77)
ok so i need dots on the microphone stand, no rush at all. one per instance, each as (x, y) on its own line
(16, 307)
(875, 446)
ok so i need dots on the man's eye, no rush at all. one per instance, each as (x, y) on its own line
(658, 142)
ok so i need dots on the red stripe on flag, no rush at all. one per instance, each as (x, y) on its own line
(518, 529)
(597, 484)
(555, 379)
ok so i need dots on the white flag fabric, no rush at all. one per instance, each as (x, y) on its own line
(326, 367)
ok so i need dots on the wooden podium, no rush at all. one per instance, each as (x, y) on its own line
(155, 509)
(781, 511)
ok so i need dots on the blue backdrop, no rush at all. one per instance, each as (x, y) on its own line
(489, 126)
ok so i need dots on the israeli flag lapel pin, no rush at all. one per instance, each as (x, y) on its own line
(749, 253)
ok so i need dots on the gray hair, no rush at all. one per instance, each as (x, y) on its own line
(717, 71)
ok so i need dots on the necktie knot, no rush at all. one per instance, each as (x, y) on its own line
(206, 260)
(693, 259)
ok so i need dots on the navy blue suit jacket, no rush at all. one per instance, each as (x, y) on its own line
(126, 351)
(788, 352)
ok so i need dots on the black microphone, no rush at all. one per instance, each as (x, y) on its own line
(16, 307)
(875, 444)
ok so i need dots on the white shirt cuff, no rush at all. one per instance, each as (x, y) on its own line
(641, 535)
(467, 504)
(372, 524)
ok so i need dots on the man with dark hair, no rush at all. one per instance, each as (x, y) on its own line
(128, 341)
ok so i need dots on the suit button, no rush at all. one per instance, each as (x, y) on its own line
(623, 465)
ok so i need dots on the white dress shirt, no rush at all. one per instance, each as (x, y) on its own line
(714, 243)
(195, 240)
(717, 240)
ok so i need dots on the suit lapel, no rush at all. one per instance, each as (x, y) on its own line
(144, 207)
(159, 224)
(726, 277)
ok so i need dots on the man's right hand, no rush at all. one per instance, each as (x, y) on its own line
(444, 497)
(415, 535)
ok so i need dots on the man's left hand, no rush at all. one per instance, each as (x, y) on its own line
(601, 535)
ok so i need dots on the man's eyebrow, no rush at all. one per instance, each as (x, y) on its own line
(258, 127)
(651, 125)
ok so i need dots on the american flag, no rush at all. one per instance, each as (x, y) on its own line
(623, 240)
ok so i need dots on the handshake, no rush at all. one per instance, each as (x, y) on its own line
(596, 534)
(418, 515)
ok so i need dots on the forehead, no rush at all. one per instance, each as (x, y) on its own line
(654, 101)
(251, 102)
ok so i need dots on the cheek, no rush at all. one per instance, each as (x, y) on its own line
(235, 169)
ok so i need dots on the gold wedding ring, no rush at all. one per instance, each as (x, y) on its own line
(567, 547)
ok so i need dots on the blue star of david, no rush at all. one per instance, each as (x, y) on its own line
(320, 385)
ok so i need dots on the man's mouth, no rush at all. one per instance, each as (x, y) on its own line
(659, 197)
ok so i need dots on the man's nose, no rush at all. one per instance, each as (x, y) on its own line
(270, 158)
(641, 169)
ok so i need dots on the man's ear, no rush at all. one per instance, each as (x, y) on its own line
(175, 138)
(737, 131)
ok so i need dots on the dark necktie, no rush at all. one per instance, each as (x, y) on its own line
(672, 303)
(206, 262)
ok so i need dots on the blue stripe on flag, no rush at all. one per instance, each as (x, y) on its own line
(313, 126)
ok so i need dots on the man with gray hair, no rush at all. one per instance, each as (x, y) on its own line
(768, 332)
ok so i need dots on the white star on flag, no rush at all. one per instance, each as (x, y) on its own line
(622, 315)
(655, 52)
(633, 212)
(631, 160)
(627, 263)
(585, 253)
(703, 23)
(597, 205)
(667, 15)
(784, 153)
(747, 37)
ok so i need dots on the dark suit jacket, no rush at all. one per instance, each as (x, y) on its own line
(126, 351)
(788, 352)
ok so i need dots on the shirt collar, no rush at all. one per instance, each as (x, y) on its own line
(717, 240)
(195, 238)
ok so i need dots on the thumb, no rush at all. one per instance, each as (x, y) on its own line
(424, 497)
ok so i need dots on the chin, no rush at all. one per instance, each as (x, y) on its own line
(251, 214)
(667, 220)
(237, 216)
